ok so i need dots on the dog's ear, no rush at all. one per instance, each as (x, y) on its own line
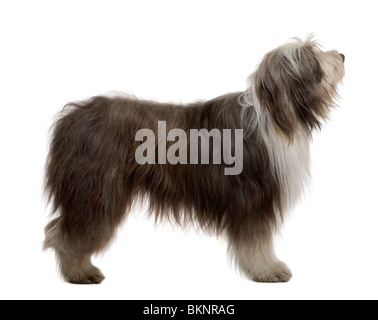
(287, 85)
(272, 84)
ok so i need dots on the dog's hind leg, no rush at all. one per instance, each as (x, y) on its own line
(74, 264)
(89, 183)
(84, 228)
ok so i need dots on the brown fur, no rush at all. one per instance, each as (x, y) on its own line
(92, 177)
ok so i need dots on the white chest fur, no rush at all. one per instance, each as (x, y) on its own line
(290, 162)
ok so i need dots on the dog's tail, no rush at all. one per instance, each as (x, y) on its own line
(52, 233)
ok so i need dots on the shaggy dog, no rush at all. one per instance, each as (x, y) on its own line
(93, 176)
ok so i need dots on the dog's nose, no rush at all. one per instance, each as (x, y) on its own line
(343, 57)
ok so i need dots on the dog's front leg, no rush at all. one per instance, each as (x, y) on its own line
(255, 257)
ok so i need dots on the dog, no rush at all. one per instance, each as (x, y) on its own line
(93, 176)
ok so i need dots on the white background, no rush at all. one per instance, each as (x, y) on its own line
(53, 52)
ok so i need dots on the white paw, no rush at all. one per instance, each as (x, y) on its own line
(272, 273)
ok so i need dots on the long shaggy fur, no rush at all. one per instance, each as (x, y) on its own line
(92, 177)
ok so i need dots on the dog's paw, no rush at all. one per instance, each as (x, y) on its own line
(92, 275)
(277, 272)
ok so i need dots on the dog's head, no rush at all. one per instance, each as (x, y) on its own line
(297, 85)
